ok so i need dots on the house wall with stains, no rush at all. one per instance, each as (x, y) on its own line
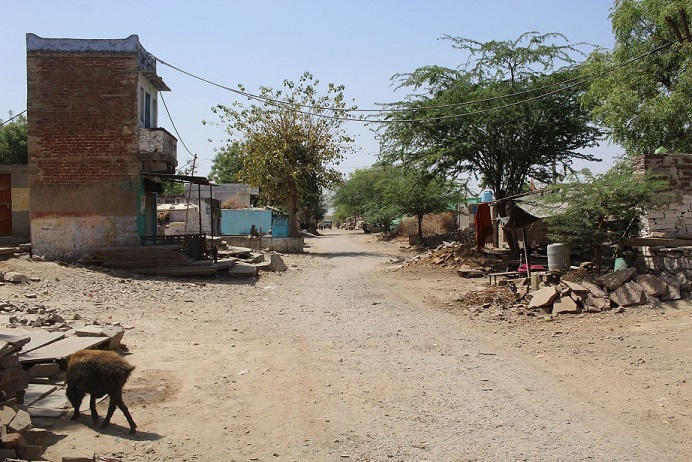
(84, 171)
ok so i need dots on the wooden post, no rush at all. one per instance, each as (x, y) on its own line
(526, 252)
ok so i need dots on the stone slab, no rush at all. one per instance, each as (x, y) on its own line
(628, 294)
(543, 297)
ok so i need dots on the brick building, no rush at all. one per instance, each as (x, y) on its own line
(92, 122)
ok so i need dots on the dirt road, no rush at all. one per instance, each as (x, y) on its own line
(341, 358)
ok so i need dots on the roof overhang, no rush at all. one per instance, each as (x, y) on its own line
(202, 180)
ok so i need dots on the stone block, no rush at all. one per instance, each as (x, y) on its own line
(629, 294)
(241, 270)
(21, 422)
(593, 288)
(673, 288)
(44, 370)
(116, 334)
(543, 297)
(12, 441)
(565, 305)
(36, 437)
(651, 284)
(30, 452)
(8, 375)
(9, 361)
(617, 278)
(277, 263)
(575, 287)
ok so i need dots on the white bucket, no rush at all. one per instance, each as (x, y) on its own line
(558, 257)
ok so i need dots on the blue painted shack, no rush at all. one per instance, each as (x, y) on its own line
(241, 221)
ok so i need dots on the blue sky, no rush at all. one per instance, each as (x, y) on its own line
(360, 44)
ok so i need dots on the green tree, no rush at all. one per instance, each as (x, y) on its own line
(292, 142)
(644, 103)
(505, 116)
(600, 210)
(13, 141)
(383, 193)
(364, 195)
(227, 163)
(418, 193)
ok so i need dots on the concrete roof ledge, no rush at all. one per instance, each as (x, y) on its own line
(126, 45)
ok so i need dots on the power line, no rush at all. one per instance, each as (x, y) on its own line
(571, 83)
(12, 118)
(174, 127)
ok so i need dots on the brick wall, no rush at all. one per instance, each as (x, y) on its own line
(675, 217)
(83, 144)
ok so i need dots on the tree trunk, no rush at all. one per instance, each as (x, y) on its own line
(420, 227)
(292, 206)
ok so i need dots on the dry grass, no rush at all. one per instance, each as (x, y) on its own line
(436, 223)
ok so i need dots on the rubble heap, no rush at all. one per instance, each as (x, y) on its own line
(455, 255)
(587, 294)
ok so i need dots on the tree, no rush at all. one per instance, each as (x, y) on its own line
(383, 193)
(292, 142)
(599, 210)
(418, 193)
(505, 116)
(644, 103)
(227, 163)
(13, 141)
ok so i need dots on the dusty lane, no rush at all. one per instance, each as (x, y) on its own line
(329, 361)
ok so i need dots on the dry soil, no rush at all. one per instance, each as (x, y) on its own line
(349, 357)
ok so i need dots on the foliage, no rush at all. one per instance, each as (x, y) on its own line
(173, 188)
(227, 163)
(600, 210)
(487, 119)
(383, 193)
(292, 142)
(13, 141)
(644, 104)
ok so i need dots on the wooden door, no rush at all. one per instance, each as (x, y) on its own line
(5, 205)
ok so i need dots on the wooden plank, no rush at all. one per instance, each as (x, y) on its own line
(657, 242)
(61, 349)
(41, 338)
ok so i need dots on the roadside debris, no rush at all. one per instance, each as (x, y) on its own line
(559, 294)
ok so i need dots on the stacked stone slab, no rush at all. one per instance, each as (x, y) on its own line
(17, 438)
(618, 289)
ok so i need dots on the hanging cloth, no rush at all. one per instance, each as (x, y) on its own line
(484, 225)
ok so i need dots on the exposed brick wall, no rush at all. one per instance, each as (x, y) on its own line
(82, 116)
(675, 217)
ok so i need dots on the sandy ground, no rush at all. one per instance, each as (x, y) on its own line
(346, 356)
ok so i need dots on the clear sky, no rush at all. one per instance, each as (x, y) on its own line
(358, 43)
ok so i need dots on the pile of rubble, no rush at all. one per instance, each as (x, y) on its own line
(455, 255)
(584, 294)
(34, 346)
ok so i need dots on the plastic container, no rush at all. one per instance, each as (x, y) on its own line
(558, 257)
(487, 195)
(620, 264)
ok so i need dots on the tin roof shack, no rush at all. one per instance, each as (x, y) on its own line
(665, 241)
(264, 220)
(92, 123)
(14, 205)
